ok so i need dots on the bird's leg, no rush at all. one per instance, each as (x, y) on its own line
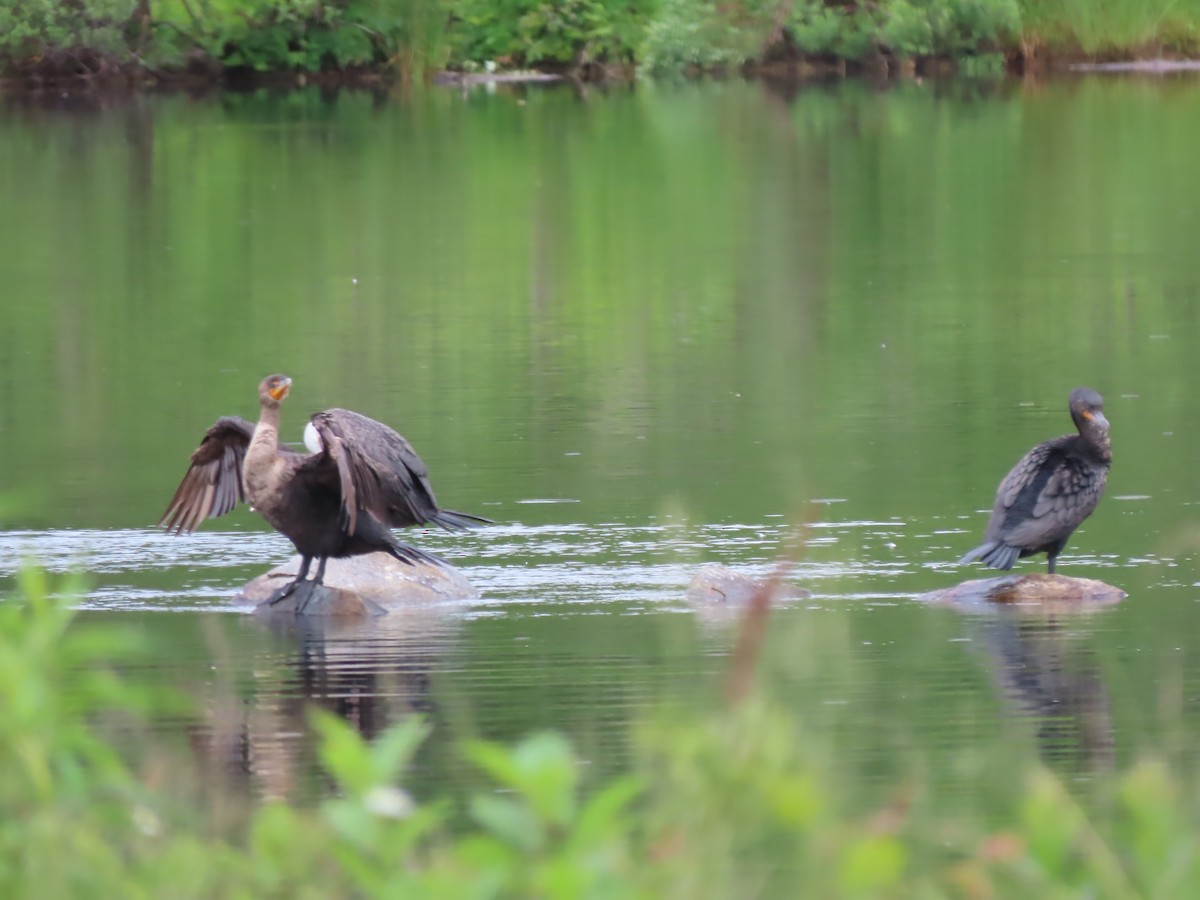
(312, 586)
(319, 578)
(1050, 557)
(288, 589)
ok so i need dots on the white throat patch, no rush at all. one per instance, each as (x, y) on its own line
(312, 439)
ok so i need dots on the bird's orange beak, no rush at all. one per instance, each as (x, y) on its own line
(281, 390)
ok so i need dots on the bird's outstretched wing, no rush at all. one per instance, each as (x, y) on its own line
(213, 483)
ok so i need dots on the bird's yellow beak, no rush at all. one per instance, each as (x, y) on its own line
(281, 390)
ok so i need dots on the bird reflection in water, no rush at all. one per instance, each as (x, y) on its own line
(1048, 673)
(371, 673)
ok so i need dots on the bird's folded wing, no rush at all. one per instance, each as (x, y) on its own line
(1069, 487)
(387, 474)
(357, 480)
(1023, 474)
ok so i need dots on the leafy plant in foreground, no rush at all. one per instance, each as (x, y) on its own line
(71, 804)
(741, 801)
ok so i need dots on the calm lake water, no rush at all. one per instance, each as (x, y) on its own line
(642, 330)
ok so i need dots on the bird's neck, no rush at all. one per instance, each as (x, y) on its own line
(1098, 440)
(267, 429)
(261, 454)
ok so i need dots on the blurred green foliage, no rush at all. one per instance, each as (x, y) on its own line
(261, 35)
(529, 32)
(739, 802)
(33, 28)
(309, 35)
(412, 38)
(1120, 28)
(687, 34)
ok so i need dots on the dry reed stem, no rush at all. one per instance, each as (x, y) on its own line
(753, 629)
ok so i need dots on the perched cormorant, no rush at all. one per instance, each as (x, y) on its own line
(361, 479)
(1054, 487)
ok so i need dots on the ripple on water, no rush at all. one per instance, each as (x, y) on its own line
(644, 564)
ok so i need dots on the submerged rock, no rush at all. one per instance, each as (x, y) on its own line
(369, 585)
(715, 583)
(1038, 590)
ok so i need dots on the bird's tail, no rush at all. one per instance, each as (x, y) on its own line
(995, 554)
(412, 555)
(457, 521)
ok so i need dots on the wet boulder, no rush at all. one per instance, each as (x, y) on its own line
(1034, 590)
(715, 583)
(369, 585)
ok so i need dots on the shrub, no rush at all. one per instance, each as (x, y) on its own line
(907, 29)
(304, 35)
(548, 31)
(688, 34)
(35, 28)
(821, 30)
(947, 27)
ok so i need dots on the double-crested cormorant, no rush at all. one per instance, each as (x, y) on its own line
(361, 479)
(1054, 487)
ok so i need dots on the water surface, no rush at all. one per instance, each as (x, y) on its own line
(642, 330)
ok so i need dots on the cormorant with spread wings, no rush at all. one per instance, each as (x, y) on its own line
(361, 480)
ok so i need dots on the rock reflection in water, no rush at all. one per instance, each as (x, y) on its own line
(371, 673)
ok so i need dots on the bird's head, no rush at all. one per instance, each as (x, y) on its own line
(273, 389)
(1087, 409)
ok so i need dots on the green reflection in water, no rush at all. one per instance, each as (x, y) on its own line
(708, 299)
(711, 294)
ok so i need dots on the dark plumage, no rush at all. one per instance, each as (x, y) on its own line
(1054, 487)
(341, 500)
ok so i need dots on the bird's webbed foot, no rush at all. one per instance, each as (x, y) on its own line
(301, 592)
(288, 589)
(284, 592)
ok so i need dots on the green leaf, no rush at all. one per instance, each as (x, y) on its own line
(548, 776)
(871, 864)
(601, 817)
(509, 821)
(395, 748)
(343, 752)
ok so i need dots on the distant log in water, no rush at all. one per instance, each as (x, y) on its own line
(716, 583)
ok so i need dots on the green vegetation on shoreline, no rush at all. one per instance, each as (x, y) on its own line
(223, 41)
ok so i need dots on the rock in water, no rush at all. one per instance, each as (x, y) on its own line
(322, 600)
(715, 583)
(368, 585)
(1037, 590)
